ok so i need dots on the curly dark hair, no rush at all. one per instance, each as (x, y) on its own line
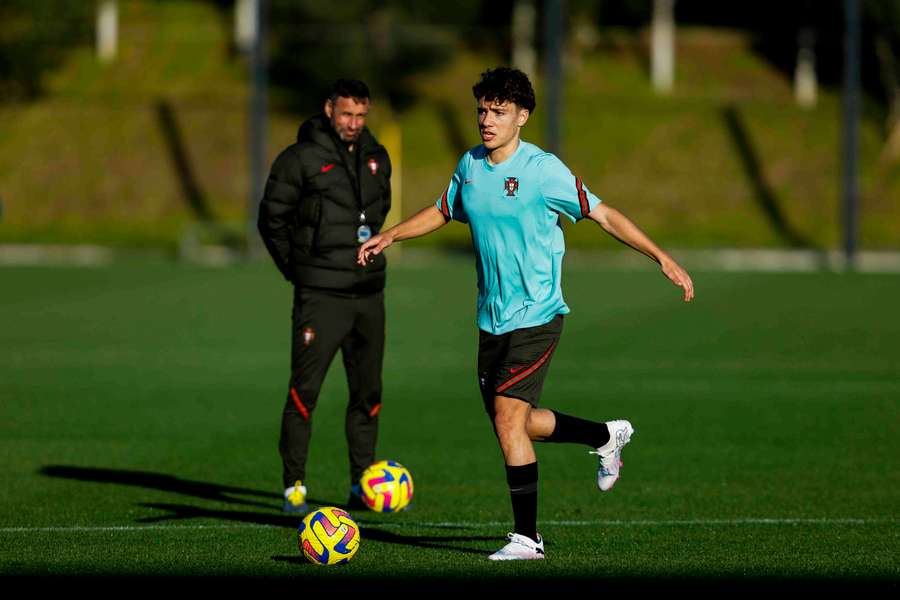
(505, 84)
(349, 88)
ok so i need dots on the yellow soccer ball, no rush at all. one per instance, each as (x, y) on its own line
(387, 486)
(328, 536)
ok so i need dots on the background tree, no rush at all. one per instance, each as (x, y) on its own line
(34, 37)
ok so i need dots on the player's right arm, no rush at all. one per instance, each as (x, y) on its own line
(423, 222)
(430, 218)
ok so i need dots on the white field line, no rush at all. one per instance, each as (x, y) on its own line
(473, 524)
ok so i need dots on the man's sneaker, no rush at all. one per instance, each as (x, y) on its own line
(355, 502)
(295, 498)
(520, 547)
(610, 455)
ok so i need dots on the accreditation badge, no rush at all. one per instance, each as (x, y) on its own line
(363, 234)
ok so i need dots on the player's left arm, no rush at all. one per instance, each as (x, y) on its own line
(623, 229)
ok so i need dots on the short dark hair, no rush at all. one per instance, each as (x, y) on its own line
(349, 88)
(504, 84)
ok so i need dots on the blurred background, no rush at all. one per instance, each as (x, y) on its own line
(741, 125)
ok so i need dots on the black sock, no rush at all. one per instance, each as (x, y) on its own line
(523, 492)
(572, 430)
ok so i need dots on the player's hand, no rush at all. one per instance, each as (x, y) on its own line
(679, 277)
(373, 247)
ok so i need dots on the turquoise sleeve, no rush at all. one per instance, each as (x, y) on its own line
(450, 201)
(564, 192)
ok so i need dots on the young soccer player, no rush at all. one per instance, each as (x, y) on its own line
(512, 195)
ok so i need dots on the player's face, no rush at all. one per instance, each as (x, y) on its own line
(499, 122)
(348, 117)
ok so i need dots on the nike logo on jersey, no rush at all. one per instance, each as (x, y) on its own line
(468, 181)
(514, 370)
(326, 168)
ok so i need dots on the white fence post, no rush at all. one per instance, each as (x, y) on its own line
(524, 16)
(805, 83)
(245, 17)
(107, 30)
(663, 42)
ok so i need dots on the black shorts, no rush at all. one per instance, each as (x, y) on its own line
(515, 364)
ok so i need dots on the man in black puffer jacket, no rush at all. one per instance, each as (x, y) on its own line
(325, 195)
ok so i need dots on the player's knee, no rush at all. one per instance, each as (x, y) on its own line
(509, 421)
(532, 427)
(300, 402)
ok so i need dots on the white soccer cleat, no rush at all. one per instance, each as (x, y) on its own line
(610, 455)
(520, 547)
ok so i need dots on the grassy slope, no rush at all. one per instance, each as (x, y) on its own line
(89, 162)
(772, 397)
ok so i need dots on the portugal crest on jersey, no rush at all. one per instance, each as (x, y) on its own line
(511, 185)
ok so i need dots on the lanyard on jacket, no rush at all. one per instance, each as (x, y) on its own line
(352, 174)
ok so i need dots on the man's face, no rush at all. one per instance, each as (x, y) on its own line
(348, 117)
(499, 122)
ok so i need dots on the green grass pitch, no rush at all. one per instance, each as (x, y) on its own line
(140, 404)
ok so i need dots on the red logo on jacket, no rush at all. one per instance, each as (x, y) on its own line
(373, 165)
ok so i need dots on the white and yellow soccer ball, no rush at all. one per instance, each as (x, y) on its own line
(387, 486)
(328, 536)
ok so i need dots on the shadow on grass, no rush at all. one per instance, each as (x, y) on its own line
(172, 133)
(766, 198)
(371, 532)
(165, 483)
(223, 493)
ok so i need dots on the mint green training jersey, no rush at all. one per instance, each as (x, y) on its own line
(513, 210)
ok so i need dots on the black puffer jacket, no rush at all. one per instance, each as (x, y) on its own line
(310, 213)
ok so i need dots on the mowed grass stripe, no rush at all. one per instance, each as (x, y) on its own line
(475, 525)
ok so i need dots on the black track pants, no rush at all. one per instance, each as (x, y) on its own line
(323, 323)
